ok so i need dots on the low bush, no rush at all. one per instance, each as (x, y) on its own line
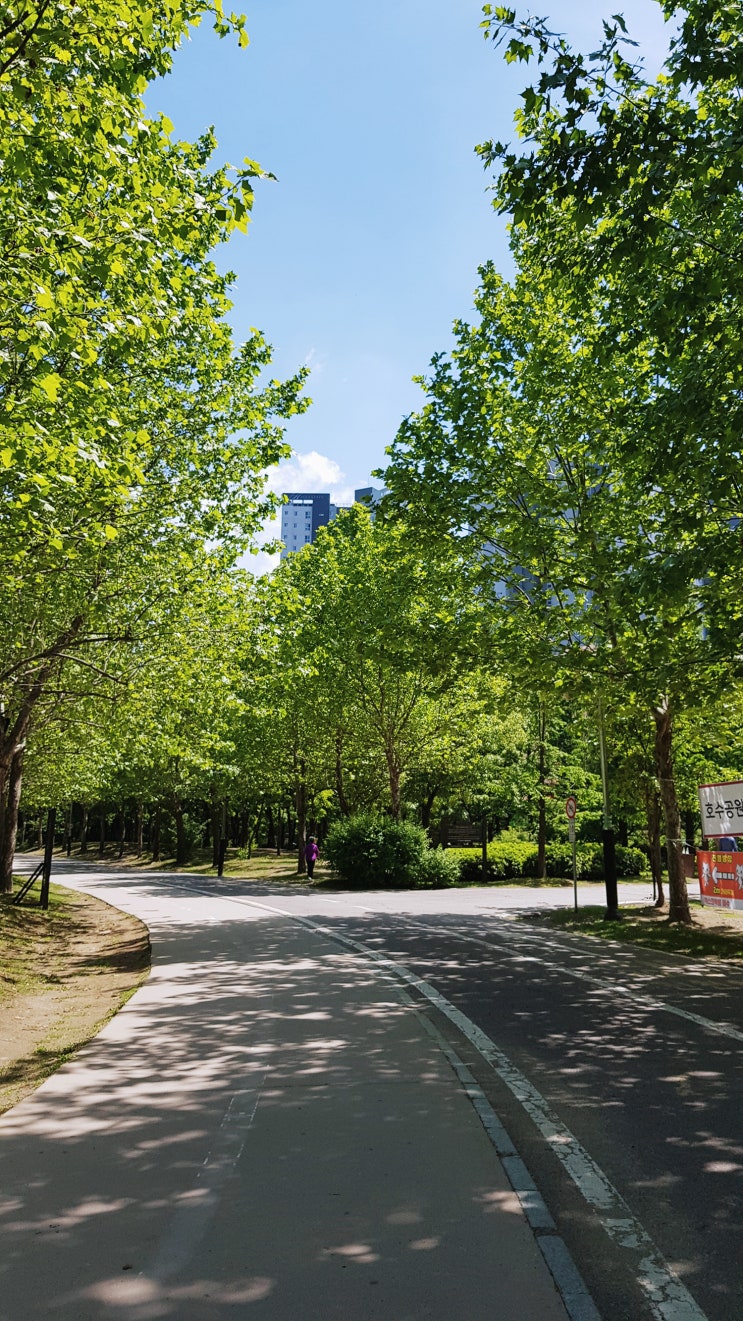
(507, 860)
(515, 859)
(590, 861)
(436, 869)
(369, 852)
(632, 862)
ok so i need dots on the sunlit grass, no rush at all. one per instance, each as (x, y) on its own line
(26, 934)
(61, 978)
(265, 864)
(710, 936)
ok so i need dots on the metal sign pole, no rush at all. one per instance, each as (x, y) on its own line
(51, 818)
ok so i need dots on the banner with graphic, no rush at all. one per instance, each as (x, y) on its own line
(720, 879)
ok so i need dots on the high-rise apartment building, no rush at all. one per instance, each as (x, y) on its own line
(368, 495)
(306, 511)
(301, 516)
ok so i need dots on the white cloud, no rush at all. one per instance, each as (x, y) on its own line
(302, 472)
(259, 564)
(315, 361)
(311, 472)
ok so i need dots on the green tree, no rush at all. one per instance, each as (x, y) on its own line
(132, 431)
(523, 456)
(359, 641)
(393, 626)
(627, 192)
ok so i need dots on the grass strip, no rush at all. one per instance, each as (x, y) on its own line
(709, 936)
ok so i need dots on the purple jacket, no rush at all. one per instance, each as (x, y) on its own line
(311, 851)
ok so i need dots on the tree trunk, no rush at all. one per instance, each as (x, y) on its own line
(223, 838)
(68, 830)
(542, 814)
(3, 789)
(10, 823)
(394, 772)
(155, 833)
(426, 810)
(84, 830)
(40, 831)
(300, 799)
(653, 814)
(181, 851)
(139, 828)
(254, 829)
(102, 840)
(216, 830)
(122, 831)
(340, 787)
(678, 897)
(51, 818)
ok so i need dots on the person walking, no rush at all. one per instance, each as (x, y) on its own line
(311, 854)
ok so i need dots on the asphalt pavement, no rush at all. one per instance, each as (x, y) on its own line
(273, 1127)
(397, 1105)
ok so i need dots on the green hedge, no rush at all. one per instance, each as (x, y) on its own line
(436, 869)
(507, 859)
(515, 859)
(369, 852)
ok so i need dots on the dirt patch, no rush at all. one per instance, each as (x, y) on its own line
(63, 974)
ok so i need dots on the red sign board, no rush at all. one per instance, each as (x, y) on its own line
(720, 879)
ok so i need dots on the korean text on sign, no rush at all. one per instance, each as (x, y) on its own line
(721, 807)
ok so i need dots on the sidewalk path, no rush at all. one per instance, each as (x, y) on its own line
(265, 1131)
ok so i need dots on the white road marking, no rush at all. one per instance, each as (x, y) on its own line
(575, 1296)
(197, 1208)
(616, 988)
(667, 1295)
(646, 1002)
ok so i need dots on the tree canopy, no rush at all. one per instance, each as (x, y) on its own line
(134, 434)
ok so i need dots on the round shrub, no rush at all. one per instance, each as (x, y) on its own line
(368, 851)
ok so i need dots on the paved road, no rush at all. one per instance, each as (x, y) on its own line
(270, 1066)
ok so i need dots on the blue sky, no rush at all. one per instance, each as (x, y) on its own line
(361, 255)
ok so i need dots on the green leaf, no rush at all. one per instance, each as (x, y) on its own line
(50, 385)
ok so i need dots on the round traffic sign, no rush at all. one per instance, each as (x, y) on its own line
(571, 807)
